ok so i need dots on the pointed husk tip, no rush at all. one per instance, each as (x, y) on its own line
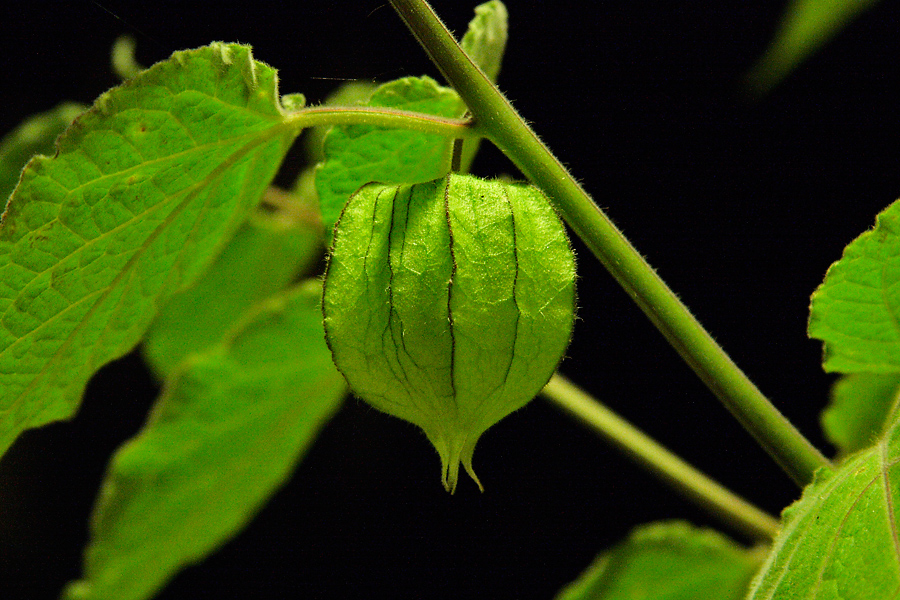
(453, 453)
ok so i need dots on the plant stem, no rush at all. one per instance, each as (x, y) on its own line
(380, 117)
(497, 120)
(693, 484)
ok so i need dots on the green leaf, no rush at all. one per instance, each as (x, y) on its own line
(267, 253)
(856, 311)
(227, 432)
(669, 560)
(839, 541)
(146, 188)
(861, 406)
(359, 154)
(34, 136)
(805, 27)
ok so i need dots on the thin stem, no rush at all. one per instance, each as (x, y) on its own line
(497, 119)
(380, 117)
(690, 482)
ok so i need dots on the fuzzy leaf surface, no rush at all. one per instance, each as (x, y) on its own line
(839, 541)
(360, 154)
(34, 136)
(146, 188)
(856, 310)
(669, 560)
(860, 408)
(268, 252)
(806, 26)
(227, 432)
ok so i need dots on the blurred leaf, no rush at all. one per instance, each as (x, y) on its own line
(669, 560)
(227, 432)
(485, 38)
(805, 27)
(122, 58)
(145, 190)
(855, 311)
(839, 541)
(861, 405)
(485, 42)
(276, 245)
(34, 136)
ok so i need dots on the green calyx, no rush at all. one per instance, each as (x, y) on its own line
(449, 304)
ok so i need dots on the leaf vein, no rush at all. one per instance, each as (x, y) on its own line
(889, 502)
(826, 559)
(103, 293)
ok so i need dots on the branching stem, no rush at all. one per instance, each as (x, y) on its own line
(497, 120)
(691, 483)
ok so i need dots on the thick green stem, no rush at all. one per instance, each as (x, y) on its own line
(496, 119)
(690, 482)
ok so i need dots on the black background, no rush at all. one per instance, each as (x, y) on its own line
(740, 205)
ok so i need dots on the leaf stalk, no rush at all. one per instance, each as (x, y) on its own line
(381, 117)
